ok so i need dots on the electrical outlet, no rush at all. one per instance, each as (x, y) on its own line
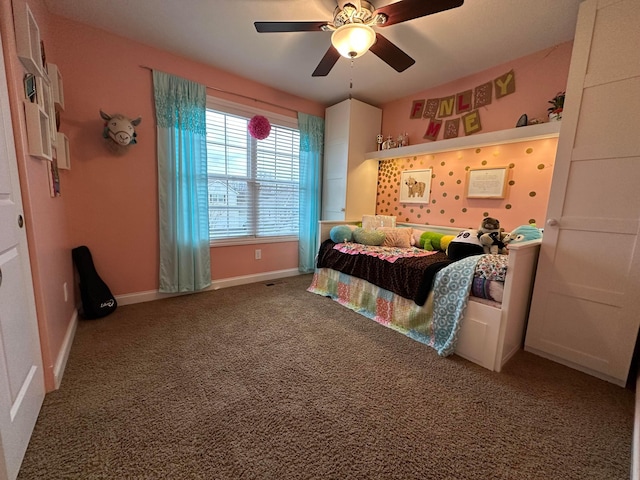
(66, 292)
(258, 254)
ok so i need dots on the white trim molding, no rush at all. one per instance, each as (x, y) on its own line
(63, 355)
(151, 295)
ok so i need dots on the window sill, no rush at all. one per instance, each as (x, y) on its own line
(250, 241)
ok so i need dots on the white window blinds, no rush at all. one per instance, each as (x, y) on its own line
(253, 184)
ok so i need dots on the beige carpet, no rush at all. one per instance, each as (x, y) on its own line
(273, 382)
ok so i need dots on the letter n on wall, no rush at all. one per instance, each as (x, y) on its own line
(446, 106)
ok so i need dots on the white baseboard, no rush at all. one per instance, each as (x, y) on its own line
(575, 366)
(150, 295)
(63, 355)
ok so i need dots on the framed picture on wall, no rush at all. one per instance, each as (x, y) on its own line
(487, 182)
(415, 186)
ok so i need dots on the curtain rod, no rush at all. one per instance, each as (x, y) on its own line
(236, 94)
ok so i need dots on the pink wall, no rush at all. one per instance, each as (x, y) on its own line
(112, 200)
(45, 217)
(530, 168)
(109, 202)
(538, 78)
(241, 260)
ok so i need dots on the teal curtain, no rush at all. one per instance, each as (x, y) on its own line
(311, 151)
(182, 184)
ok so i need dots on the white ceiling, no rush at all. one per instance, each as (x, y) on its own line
(446, 46)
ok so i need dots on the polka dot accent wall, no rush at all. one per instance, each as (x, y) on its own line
(529, 165)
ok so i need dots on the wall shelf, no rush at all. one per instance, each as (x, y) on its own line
(38, 131)
(56, 86)
(28, 39)
(45, 102)
(62, 149)
(501, 137)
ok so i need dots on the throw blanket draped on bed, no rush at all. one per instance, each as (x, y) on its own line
(450, 297)
(410, 278)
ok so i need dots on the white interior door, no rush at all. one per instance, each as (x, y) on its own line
(21, 375)
(585, 309)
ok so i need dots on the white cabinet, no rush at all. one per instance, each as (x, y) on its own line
(349, 182)
(584, 310)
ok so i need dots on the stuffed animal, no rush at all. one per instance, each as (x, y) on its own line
(465, 244)
(493, 242)
(434, 241)
(488, 225)
(523, 233)
(491, 236)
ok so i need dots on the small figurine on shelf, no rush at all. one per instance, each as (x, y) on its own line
(555, 111)
(388, 143)
(403, 139)
(379, 140)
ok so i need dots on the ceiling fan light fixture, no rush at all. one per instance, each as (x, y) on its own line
(353, 39)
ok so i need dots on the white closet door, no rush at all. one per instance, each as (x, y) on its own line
(585, 309)
(336, 158)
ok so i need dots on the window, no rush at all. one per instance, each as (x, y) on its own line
(253, 185)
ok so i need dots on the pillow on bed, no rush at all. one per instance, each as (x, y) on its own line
(396, 237)
(368, 237)
(341, 233)
(371, 222)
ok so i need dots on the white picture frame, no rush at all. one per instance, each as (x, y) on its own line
(487, 182)
(415, 186)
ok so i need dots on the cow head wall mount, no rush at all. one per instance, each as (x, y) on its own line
(119, 131)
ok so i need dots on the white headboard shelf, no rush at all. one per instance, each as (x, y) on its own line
(501, 137)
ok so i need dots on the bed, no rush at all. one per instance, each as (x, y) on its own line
(488, 332)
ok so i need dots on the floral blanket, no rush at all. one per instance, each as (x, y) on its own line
(436, 324)
(492, 267)
(390, 254)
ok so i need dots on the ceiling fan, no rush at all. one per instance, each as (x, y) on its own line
(353, 34)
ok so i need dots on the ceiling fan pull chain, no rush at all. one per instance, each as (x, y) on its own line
(351, 79)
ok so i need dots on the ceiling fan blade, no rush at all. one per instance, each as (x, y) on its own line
(409, 9)
(391, 54)
(279, 27)
(326, 64)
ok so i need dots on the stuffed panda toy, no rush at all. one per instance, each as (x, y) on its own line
(465, 244)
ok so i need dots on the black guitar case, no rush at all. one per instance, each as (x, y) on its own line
(97, 299)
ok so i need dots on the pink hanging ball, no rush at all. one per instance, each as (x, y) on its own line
(259, 127)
